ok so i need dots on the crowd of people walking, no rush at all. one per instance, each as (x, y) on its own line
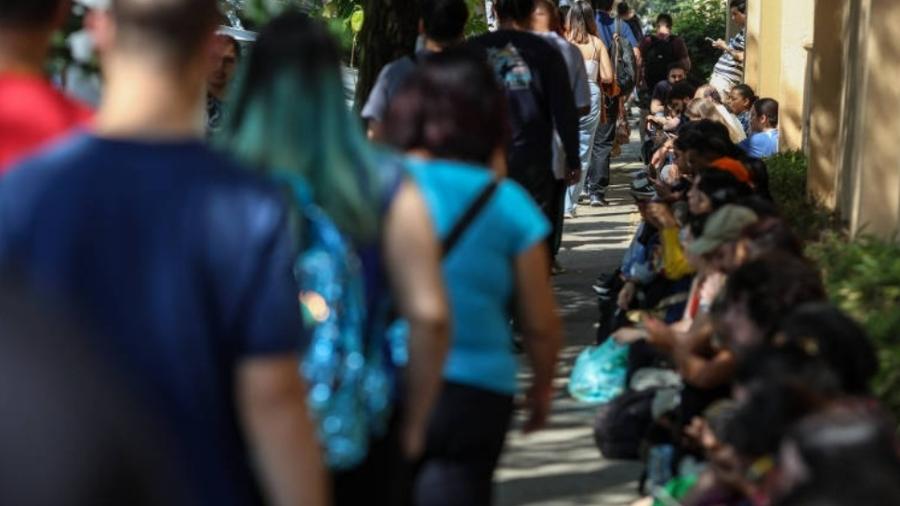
(222, 287)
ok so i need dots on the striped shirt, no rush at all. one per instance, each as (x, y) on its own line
(727, 67)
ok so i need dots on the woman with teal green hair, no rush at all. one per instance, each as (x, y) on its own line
(288, 118)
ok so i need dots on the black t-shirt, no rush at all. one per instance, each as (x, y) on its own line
(536, 81)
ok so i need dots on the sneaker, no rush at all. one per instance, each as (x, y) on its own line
(570, 215)
(598, 201)
(584, 197)
(557, 268)
(600, 290)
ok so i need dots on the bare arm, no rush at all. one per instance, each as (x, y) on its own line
(373, 130)
(413, 263)
(541, 329)
(606, 70)
(272, 404)
(693, 366)
(721, 44)
(671, 124)
(638, 60)
(706, 373)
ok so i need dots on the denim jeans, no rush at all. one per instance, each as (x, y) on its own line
(587, 130)
(598, 174)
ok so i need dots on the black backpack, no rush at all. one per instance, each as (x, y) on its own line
(622, 55)
(621, 426)
(657, 59)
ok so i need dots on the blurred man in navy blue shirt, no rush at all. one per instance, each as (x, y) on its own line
(177, 259)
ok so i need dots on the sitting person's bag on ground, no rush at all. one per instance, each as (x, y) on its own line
(599, 373)
(620, 426)
(349, 382)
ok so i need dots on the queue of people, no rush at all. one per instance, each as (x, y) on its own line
(280, 306)
(739, 374)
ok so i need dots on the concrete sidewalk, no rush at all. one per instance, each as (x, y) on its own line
(560, 465)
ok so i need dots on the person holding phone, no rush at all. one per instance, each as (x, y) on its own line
(729, 70)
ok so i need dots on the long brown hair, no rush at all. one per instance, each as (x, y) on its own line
(580, 23)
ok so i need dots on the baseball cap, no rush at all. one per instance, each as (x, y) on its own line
(723, 226)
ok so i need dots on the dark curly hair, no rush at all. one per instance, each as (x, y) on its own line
(771, 287)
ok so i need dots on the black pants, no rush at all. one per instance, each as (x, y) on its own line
(465, 439)
(597, 179)
(558, 220)
(385, 477)
(543, 187)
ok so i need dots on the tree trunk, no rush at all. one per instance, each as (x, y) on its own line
(389, 32)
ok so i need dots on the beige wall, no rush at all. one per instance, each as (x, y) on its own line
(876, 203)
(777, 33)
(826, 97)
(797, 22)
(753, 55)
(833, 67)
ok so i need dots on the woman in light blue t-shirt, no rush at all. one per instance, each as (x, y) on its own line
(450, 117)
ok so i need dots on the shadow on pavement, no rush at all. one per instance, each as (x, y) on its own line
(561, 465)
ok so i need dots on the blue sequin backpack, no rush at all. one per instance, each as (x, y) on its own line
(349, 383)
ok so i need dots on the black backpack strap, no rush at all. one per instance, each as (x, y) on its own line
(468, 217)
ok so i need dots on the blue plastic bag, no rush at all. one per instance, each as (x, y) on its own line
(599, 373)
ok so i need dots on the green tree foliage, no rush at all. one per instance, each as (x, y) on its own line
(863, 278)
(343, 17)
(477, 19)
(862, 274)
(694, 21)
(787, 181)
